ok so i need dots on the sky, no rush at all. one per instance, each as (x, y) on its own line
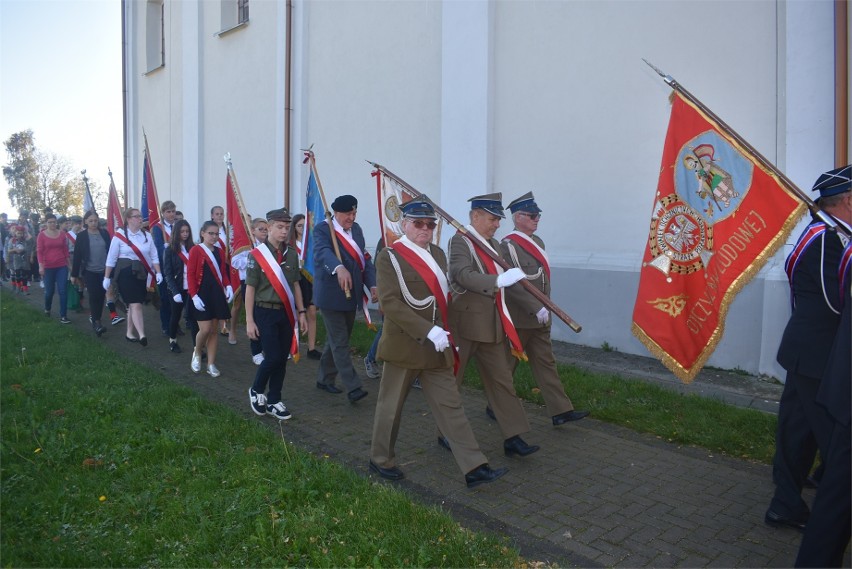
(60, 75)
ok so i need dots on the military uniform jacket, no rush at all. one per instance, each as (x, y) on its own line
(327, 292)
(405, 328)
(522, 305)
(473, 312)
(810, 332)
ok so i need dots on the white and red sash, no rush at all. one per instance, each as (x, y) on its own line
(184, 256)
(210, 261)
(812, 233)
(149, 281)
(424, 265)
(72, 237)
(843, 272)
(526, 243)
(479, 243)
(353, 250)
(275, 275)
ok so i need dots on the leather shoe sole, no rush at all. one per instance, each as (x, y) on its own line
(329, 388)
(778, 521)
(356, 394)
(483, 474)
(569, 416)
(387, 473)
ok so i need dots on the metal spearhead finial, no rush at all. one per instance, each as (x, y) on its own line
(228, 159)
(667, 78)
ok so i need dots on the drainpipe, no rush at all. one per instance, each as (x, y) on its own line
(841, 83)
(287, 102)
(124, 93)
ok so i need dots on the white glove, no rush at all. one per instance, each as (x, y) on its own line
(159, 278)
(199, 304)
(229, 293)
(510, 277)
(542, 315)
(439, 337)
(107, 282)
(177, 298)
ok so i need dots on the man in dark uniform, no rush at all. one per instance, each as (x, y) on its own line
(827, 533)
(413, 293)
(480, 320)
(803, 425)
(273, 299)
(334, 277)
(522, 248)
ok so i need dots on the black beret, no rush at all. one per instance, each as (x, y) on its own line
(344, 204)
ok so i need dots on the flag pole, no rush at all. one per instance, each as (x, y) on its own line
(539, 295)
(151, 170)
(88, 196)
(238, 195)
(764, 162)
(328, 218)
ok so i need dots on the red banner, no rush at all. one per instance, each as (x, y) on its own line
(114, 216)
(236, 217)
(718, 216)
(150, 208)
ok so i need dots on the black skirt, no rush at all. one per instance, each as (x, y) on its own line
(211, 293)
(131, 288)
(307, 290)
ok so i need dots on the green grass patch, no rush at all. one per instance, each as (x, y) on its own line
(644, 407)
(109, 464)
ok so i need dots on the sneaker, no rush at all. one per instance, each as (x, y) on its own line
(173, 347)
(258, 359)
(258, 402)
(91, 320)
(117, 319)
(416, 384)
(279, 411)
(64, 320)
(213, 371)
(47, 313)
(196, 362)
(372, 369)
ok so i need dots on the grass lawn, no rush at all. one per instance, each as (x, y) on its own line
(106, 464)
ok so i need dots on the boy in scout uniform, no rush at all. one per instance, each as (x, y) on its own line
(524, 249)
(272, 306)
(413, 294)
(479, 318)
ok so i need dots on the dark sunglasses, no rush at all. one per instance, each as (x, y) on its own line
(533, 216)
(420, 224)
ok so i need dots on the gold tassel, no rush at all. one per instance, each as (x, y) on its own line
(520, 355)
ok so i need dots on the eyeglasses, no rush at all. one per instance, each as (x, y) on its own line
(212, 233)
(137, 215)
(533, 216)
(420, 224)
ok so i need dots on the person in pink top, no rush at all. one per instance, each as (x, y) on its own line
(53, 265)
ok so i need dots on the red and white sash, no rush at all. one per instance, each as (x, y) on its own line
(166, 232)
(275, 275)
(353, 250)
(478, 243)
(526, 243)
(149, 281)
(72, 238)
(844, 273)
(424, 264)
(211, 262)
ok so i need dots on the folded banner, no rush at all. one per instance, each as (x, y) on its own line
(314, 213)
(718, 216)
(114, 215)
(150, 209)
(237, 218)
(391, 196)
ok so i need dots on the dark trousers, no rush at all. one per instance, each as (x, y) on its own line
(336, 357)
(827, 533)
(165, 306)
(176, 310)
(803, 427)
(94, 282)
(254, 345)
(276, 336)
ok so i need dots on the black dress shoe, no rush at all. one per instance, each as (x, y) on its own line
(144, 341)
(567, 416)
(392, 473)
(444, 443)
(129, 339)
(516, 445)
(314, 354)
(810, 482)
(173, 347)
(482, 474)
(778, 521)
(357, 394)
(329, 388)
(490, 412)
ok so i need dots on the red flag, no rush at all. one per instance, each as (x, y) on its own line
(235, 218)
(718, 216)
(392, 196)
(150, 201)
(114, 216)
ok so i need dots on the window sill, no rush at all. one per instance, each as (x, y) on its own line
(153, 70)
(231, 29)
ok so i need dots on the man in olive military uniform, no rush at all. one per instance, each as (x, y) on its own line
(413, 294)
(480, 321)
(803, 425)
(272, 306)
(524, 249)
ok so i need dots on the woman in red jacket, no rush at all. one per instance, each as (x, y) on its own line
(210, 290)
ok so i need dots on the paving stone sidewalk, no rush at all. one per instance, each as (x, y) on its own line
(596, 495)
